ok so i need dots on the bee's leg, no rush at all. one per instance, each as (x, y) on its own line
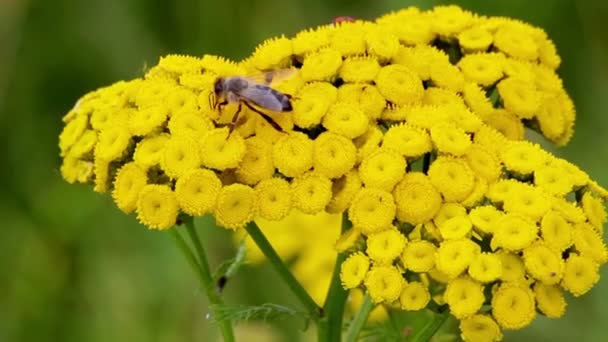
(266, 117)
(221, 105)
(235, 117)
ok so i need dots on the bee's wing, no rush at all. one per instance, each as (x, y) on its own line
(265, 97)
(272, 76)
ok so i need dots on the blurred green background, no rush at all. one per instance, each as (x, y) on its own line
(73, 268)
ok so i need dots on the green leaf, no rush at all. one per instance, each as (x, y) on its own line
(266, 312)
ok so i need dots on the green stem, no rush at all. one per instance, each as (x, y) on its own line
(431, 328)
(201, 268)
(263, 244)
(359, 321)
(330, 325)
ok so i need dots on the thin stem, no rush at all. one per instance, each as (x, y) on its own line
(330, 325)
(431, 328)
(359, 321)
(263, 244)
(201, 268)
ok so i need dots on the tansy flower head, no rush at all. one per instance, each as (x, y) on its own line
(464, 296)
(513, 269)
(385, 246)
(514, 232)
(322, 65)
(347, 119)
(543, 263)
(550, 300)
(197, 191)
(157, 206)
(513, 305)
(384, 283)
(236, 206)
(344, 190)
(354, 269)
(365, 96)
(419, 256)
(359, 69)
(274, 198)
(179, 157)
(221, 151)
(417, 199)
(382, 169)
(372, 210)
(407, 140)
(414, 296)
(480, 328)
(399, 85)
(486, 268)
(452, 177)
(129, 181)
(311, 192)
(580, 274)
(454, 256)
(293, 154)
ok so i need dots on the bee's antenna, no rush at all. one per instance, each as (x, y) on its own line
(211, 100)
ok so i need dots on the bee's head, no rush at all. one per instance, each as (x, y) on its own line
(218, 86)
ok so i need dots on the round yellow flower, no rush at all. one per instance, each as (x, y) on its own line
(486, 268)
(180, 155)
(149, 151)
(220, 151)
(595, 211)
(410, 27)
(490, 138)
(506, 123)
(449, 138)
(556, 231)
(440, 96)
(274, 198)
(399, 85)
(513, 305)
(349, 39)
(76, 170)
(550, 300)
(529, 201)
(543, 263)
(417, 199)
(344, 190)
(519, 97)
(308, 41)
(257, 163)
(515, 42)
(514, 232)
(385, 246)
(553, 180)
(569, 210)
(372, 210)
(450, 20)
(482, 68)
(311, 192)
(197, 191)
(455, 228)
(455, 256)
(483, 162)
(447, 76)
(522, 157)
(580, 274)
(113, 143)
(500, 190)
(382, 44)
(129, 181)
(448, 211)
(368, 142)
(157, 206)
(346, 119)
(480, 328)
(236, 206)
(484, 218)
(190, 124)
(365, 96)
(419, 256)
(72, 131)
(322, 65)
(464, 296)
(353, 270)
(475, 97)
(180, 64)
(84, 145)
(588, 242)
(452, 177)
(384, 283)
(513, 269)
(359, 69)
(293, 154)
(146, 120)
(475, 39)
(414, 296)
(382, 169)
(407, 140)
(273, 53)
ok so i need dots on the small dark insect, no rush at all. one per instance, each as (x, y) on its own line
(342, 19)
(221, 283)
(253, 92)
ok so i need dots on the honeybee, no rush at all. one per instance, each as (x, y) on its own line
(252, 91)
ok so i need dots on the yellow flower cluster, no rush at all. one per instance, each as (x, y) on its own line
(412, 124)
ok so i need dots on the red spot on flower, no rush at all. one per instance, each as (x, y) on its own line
(342, 19)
